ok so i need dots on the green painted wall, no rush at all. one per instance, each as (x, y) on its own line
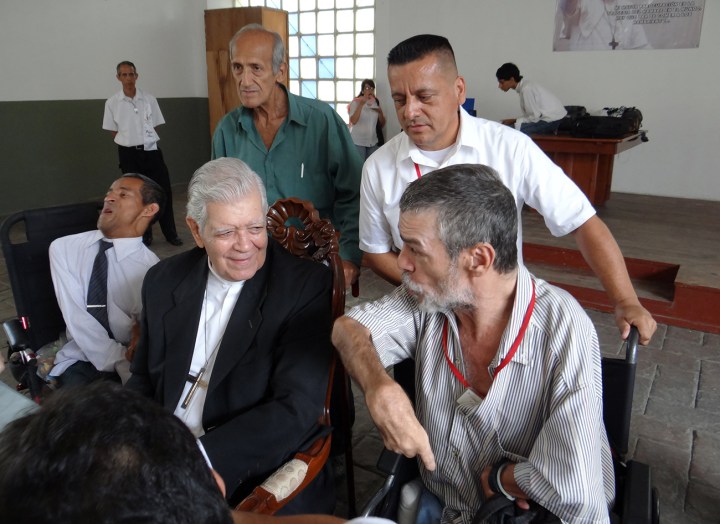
(56, 152)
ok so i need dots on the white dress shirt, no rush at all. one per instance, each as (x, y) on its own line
(134, 119)
(71, 262)
(531, 176)
(220, 298)
(537, 104)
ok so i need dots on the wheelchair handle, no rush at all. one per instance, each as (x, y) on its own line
(631, 345)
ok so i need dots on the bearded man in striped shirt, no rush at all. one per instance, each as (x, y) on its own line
(507, 366)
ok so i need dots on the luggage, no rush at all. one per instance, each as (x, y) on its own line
(574, 113)
(619, 122)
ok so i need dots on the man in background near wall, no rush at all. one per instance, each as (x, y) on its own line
(298, 146)
(428, 92)
(541, 110)
(132, 115)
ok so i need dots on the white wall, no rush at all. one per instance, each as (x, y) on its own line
(675, 89)
(68, 49)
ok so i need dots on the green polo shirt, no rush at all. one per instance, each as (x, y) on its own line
(312, 157)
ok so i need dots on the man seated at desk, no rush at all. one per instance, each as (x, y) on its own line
(235, 336)
(507, 367)
(541, 110)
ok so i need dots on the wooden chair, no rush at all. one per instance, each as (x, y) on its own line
(316, 240)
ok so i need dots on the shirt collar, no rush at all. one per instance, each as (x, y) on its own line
(123, 247)
(138, 95)
(519, 86)
(216, 280)
(467, 137)
(523, 295)
(245, 119)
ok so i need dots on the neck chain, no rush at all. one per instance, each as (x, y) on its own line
(613, 27)
(197, 381)
(133, 103)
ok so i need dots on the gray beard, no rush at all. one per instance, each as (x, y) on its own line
(447, 297)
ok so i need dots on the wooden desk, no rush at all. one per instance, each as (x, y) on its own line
(587, 161)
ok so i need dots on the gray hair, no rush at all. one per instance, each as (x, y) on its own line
(224, 180)
(473, 206)
(278, 52)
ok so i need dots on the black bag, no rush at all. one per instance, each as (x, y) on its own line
(619, 122)
(567, 123)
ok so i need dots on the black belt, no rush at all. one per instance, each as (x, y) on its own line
(137, 148)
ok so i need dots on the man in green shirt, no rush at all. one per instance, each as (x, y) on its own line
(300, 147)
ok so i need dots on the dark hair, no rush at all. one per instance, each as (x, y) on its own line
(366, 82)
(508, 71)
(104, 454)
(151, 193)
(472, 205)
(125, 63)
(419, 46)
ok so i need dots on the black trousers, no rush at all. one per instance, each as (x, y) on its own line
(152, 165)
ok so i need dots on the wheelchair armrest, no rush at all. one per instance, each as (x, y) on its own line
(399, 470)
(288, 480)
(638, 497)
(17, 336)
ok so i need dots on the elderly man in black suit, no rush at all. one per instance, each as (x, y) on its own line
(235, 336)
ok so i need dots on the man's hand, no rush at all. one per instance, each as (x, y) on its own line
(634, 314)
(351, 272)
(393, 414)
(509, 122)
(520, 499)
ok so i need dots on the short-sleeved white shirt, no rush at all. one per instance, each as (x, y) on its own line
(134, 119)
(531, 176)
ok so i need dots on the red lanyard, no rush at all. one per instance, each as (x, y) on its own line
(417, 169)
(508, 357)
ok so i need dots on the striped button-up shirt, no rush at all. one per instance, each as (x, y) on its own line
(543, 411)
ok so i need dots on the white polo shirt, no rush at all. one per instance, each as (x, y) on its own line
(134, 119)
(531, 176)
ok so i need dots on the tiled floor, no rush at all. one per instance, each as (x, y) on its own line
(676, 419)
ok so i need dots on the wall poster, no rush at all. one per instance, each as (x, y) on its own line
(616, 25)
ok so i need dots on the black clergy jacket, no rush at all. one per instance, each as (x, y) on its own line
(268, 384)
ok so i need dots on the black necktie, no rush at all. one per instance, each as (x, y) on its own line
(97, 289)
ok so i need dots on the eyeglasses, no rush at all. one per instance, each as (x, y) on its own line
(127, 75)
(368, 88)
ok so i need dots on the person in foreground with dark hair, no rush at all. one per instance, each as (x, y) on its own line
(428, 93)
(541, 110)
(507, 367)
(106, 455)
(97, 276)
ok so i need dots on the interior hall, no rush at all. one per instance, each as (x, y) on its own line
(59, 59)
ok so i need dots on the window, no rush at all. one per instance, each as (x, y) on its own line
(331, 47)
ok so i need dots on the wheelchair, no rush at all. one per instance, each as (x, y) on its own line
(25, 238)
(636, 501)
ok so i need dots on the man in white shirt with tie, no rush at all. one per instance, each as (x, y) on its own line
(95, 351)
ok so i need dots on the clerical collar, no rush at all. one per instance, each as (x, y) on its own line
(223, 282)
